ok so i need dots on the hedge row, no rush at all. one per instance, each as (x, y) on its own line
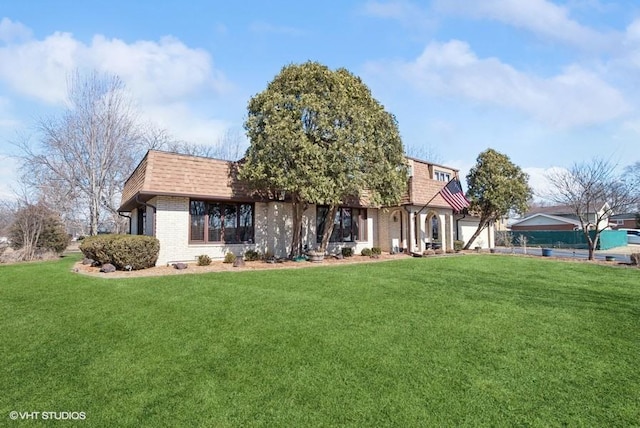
(123, 251)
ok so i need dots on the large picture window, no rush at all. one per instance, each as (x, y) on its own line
(222, 222)
(349, 224)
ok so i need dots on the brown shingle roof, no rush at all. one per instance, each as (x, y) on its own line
(172, 174)
(422, 188)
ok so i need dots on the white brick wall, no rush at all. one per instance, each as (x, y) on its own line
(273, 227)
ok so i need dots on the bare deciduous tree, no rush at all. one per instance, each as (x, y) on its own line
(586, 188)
(86, 153)
(428, 153)
(228, 147)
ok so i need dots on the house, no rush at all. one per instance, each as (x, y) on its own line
(197, 205)
(560, 217)
(625, 221)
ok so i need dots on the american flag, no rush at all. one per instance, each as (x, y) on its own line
(453, 194)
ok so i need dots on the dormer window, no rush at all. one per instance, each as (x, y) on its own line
(441, 175)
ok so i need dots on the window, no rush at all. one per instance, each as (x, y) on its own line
(442, 176)
(142, 220)
(435, 229)
(349, 224)
(220, 222)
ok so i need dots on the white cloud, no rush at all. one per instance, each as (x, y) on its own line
(165, 77)
(576, 97)
(11, 31)
(186, 124)
(159, 71)
(541, 17)
(7, 120)
(538, 181)
(8, 172)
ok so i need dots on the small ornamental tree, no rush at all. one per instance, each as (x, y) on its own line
(593, 191)
(496, 186)
(317, 136)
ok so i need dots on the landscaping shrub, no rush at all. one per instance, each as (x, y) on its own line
(229, 258)
(428, 252)
(37, 229)
(131, 251)
(251, 255)
(376, 251)
(458, 245)
(204, 260)
(439, 251)
(347, 252)
(366, 252)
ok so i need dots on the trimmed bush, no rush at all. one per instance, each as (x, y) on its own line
(376, 251)
(366, 252)
(347, 252)
(37, 229)
(251, 255)
(458, 245)
(229, 258)
(204, 260)
(133, 251)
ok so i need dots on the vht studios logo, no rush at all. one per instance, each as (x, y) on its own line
(56, 416)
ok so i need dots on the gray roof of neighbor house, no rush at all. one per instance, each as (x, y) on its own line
(627, 216)
(558, 210)
(553, 219)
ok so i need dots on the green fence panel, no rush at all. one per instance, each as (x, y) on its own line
(612, 238)
(551, 238)
(569, 239)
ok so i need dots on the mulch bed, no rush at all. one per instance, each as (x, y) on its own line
(219, 266)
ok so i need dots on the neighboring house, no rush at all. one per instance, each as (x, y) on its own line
(559, 217)
(544, 222)
(196, 205)
(624, 221)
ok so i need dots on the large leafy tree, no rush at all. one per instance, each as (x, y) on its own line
(496, 187)
(317, 136)
(588, 187)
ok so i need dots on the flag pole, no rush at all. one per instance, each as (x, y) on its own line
(434, 196)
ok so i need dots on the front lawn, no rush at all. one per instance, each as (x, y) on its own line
(459, 341)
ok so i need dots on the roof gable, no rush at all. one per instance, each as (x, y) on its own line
(173, 174)
(541, 219)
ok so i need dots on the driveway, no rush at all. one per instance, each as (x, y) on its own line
(621, 254)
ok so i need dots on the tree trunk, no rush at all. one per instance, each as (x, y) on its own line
(481, 226)
(592, 243)
(296, 242)
(94, 214)
(328, 227)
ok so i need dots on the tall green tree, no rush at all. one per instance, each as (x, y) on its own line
(496, 187)
(317, 136)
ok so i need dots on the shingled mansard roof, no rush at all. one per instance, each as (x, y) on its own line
(171, 174)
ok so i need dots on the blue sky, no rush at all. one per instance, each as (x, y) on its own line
(548, 83)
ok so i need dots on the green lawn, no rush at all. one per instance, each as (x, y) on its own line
(459, 341)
